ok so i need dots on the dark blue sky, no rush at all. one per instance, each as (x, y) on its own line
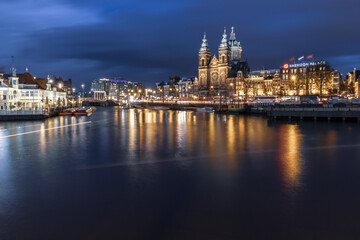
(148, 41)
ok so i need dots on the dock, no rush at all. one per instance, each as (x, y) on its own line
(314, 113)
(23, 115)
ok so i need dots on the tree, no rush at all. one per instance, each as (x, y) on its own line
(342, 86)
(351, 88)
(307, 82)
(281, 92)
(322, 80)
(19, 104)
(46, 102)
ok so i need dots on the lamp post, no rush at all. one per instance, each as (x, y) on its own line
(83, 88)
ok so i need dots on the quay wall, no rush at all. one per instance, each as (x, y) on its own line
(25, 117)
(343, 113)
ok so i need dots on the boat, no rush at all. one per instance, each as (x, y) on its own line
(67, 112)
(205, 109)
(160, 108)
(237, 108)
(137, 106)
(221, 109)
(127, 107)
(83, 112)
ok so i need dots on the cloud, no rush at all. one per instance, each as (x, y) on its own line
(151, 40)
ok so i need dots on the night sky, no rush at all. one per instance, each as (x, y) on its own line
(148, 41)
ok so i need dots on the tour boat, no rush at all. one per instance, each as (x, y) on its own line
(83, 112)
(67, 112)
(238, 108)
(160, 108)
(205, 109)
(221, 109)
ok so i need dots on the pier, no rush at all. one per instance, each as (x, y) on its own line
(314, 113)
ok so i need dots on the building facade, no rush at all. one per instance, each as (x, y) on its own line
(26, 92)
(216, 73)
(315, 77)
(178, 88)
(116, 89)
(352, 82)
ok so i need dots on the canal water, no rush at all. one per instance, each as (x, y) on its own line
(145, 174)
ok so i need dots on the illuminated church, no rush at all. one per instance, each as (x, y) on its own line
(217, 74)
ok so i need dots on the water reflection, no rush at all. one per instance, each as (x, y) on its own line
(290, 156)
(172, 163)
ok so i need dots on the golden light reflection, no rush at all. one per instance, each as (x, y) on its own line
(132, 130)
(181, 130)
(290, 154)
(212, 134)
(191, 127)
(116, 117)
(231, 143)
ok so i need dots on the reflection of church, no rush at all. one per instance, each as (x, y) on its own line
(216, 75)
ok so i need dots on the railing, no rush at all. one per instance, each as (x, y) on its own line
(187, 102)
(309, 109)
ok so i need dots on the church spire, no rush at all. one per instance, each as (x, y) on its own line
(224, 41)
(232, 40)
(204, 45)
(232, 35)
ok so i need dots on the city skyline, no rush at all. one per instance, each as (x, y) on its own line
(140, 41)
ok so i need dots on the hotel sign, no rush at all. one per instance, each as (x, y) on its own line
(307, 64)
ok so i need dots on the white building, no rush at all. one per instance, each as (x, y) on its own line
(25, 92)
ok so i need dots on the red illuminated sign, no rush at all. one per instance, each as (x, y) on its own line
(286, 66)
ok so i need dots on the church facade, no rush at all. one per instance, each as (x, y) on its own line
(217, 73)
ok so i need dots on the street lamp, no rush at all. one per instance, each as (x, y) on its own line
(83, 87)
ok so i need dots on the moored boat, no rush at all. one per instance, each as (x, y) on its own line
(67, 112)
(237, 108)
(221, 109)
(160, 108)
(205, 109)
(83, 112)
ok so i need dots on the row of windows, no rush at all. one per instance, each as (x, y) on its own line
(30, 93)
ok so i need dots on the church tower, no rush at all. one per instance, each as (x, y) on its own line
(224, 59)
(235, 47)
(204, 61)
(13, 80)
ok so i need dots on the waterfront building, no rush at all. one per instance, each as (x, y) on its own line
(116, 89)
(315, 77)
(218, 74)
(26, 92)
(337, 81)
(169, 89)
(178, 88)
(188, 88)
(352, 82)
(265, 82)
(65, 85)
